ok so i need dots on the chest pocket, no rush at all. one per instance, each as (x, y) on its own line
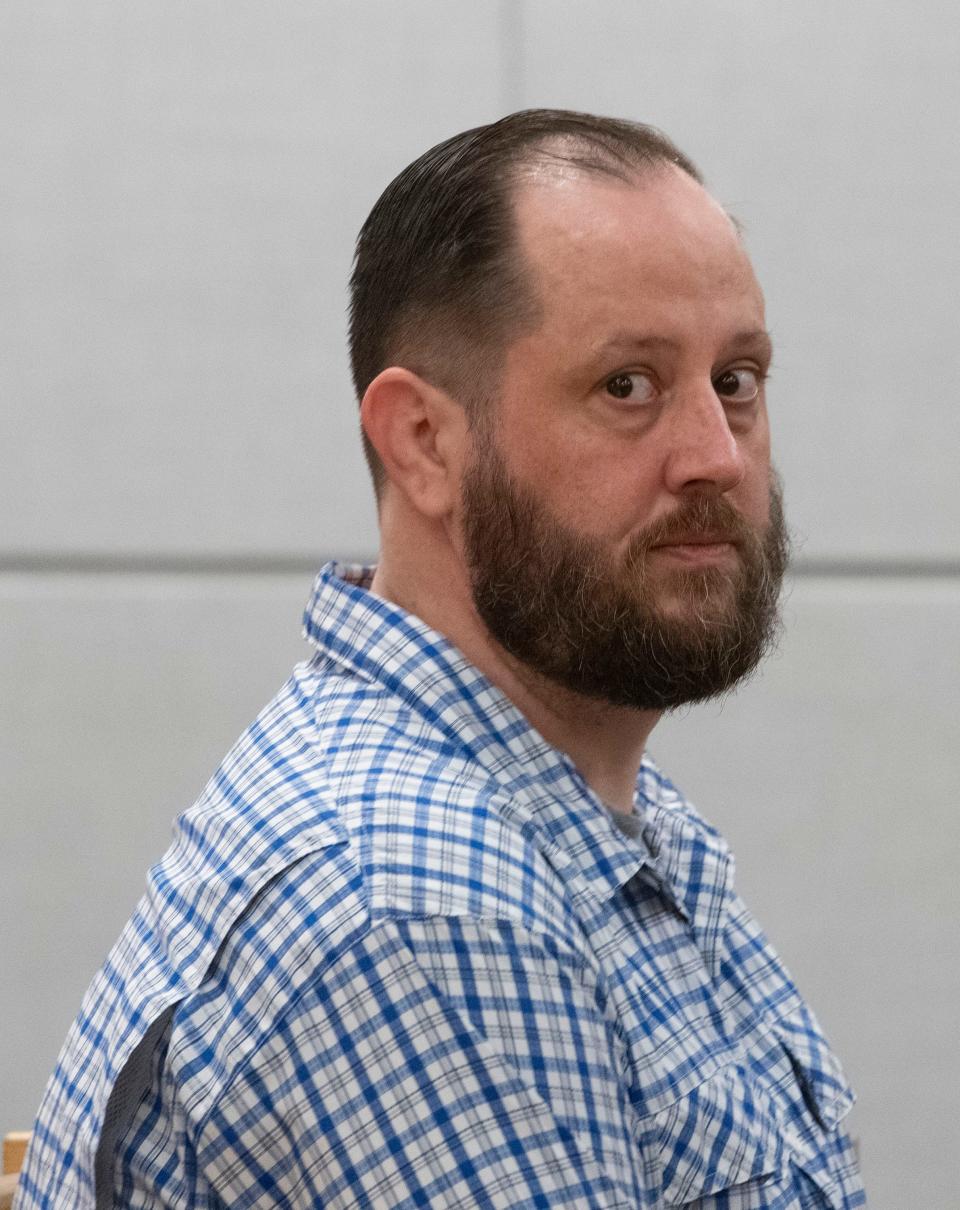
(760, 1130)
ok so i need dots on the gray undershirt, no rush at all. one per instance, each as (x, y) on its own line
(629, 822)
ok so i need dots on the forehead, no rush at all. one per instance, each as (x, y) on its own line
(595, 245)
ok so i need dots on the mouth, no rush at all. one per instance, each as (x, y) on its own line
(698, 548)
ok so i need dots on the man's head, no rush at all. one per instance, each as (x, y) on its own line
(610, 497)
(439, 284)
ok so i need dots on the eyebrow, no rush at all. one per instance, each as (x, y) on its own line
(754, 340)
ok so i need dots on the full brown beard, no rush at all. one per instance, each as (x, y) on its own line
(570, 609)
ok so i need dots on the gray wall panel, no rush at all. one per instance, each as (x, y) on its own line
(183, 184)
(829, 129)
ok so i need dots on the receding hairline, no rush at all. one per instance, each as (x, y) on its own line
(551, 170)
(555, 157)
(552, 167)
(578, 152)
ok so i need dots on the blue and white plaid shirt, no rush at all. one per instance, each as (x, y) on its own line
(399, 954)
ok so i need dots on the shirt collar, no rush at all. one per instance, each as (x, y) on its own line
(690, 855)
(384, 644)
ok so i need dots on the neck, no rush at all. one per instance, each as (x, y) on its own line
(606, 743)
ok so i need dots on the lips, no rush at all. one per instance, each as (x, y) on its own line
(708, 539)
(697, 550)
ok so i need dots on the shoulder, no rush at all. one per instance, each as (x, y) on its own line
(432, 831)
(338, 792)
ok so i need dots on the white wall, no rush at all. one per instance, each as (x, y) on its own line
(182, 185)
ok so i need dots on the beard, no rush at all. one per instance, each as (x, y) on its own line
(624, 629)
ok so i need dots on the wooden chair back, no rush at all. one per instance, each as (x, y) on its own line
(14, 1149)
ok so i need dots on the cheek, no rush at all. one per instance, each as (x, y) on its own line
(753, 495)
(601, 489)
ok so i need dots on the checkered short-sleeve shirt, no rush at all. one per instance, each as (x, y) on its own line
(399, 955)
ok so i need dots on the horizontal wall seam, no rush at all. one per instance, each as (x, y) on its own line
(59, 563)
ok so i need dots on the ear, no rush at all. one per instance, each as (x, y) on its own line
(420, 433)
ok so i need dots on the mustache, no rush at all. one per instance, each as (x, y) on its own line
(701, 518)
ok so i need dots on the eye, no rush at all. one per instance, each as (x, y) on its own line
(739, 385)
(632, 385)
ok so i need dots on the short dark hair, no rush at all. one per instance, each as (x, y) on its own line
(436, 284)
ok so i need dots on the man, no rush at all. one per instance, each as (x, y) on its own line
(439, 933)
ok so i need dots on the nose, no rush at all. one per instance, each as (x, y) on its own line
(703, 453)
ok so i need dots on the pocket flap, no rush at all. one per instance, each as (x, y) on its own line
(717, 1136)
(824, 1088)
